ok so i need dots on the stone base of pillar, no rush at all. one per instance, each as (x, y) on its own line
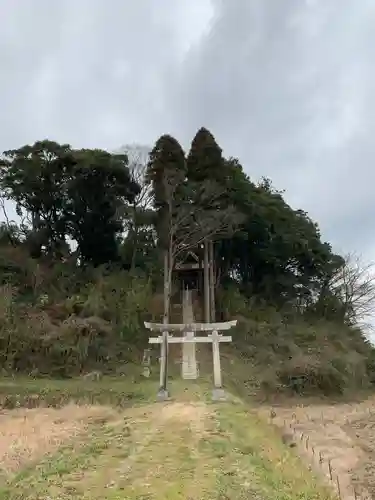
(218, 394)
(163, 395)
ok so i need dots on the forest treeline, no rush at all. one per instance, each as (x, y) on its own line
(92, 216)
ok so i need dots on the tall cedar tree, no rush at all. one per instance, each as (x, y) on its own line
(167, 173)
(209, 172)
(205, 160)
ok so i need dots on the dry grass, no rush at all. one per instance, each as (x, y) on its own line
(178, 450)
(344, 434)
(256, 463)
(183, 449)
(27, 435)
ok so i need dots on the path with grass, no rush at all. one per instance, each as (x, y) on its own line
(186, 449)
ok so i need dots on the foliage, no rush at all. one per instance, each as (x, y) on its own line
(291, 353)
(68, 194)
(205, 157)
(349, 291)
(98, 327)
(100, 187)
(81, 269)
(166, 172)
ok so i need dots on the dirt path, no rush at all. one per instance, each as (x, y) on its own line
(181, 450)
(169, 434)
(334, 438)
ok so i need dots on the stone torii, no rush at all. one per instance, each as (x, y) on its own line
(214, 337)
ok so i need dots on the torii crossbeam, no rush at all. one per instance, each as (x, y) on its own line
(193, 327)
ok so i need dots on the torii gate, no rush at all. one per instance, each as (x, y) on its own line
(214, 337)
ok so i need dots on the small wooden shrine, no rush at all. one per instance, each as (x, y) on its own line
(188, 270)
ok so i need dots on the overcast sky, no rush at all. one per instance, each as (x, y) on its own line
(285, 85)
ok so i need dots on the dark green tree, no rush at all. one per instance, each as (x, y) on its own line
(277, 255)
(99, 187)
(205, 160)
(215, 186)
(34, 177)
(68, 195)
(167, 173)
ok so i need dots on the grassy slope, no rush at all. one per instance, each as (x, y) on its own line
(189, 448)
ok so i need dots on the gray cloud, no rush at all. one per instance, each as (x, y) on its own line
(91, 72)
(285, 86)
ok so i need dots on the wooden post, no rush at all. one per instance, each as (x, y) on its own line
(212, 281)
(166, 288)
(163, 391)
(206, 284)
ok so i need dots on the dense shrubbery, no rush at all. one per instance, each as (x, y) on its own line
(54, 325)
(100, 326)
(284, 352)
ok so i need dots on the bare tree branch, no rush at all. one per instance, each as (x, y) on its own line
(354, 285)
(2, 203)
(192, 222)
(138, 159)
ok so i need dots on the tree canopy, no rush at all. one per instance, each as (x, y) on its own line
(68, 194)
(94, 205)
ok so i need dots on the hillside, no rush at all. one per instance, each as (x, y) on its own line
(99, 326)
(65, 312)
